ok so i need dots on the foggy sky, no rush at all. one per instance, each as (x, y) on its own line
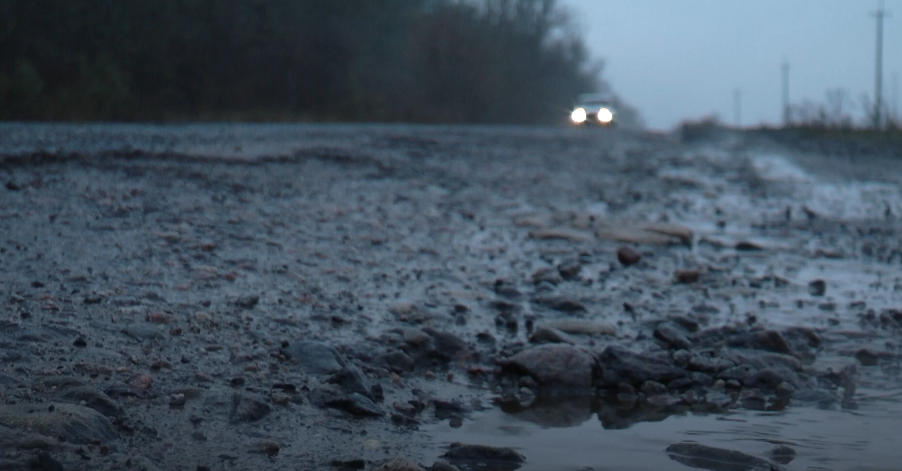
(677, 59)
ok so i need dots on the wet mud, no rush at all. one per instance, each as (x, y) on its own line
(403, 297)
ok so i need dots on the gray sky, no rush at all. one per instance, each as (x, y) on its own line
(677, 59)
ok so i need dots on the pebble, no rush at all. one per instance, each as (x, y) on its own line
(817, 287)
(687, 276)
(628, 256)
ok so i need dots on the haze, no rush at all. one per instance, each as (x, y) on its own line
(678, 60)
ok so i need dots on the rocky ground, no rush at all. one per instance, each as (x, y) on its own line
(314, 297)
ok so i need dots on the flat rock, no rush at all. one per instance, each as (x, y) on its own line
(560, 234)
(459, 452)
(683, 233)
(580, 326)
(92, 398)
(352, 380)
(246, 408)
(545, 334)
(560, 303)
(315, 357)
(399, 464)
(636, 236)
(671, 335)
(554, 365)
(696, 455)
(73, 423)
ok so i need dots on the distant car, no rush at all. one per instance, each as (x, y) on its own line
(594, 108)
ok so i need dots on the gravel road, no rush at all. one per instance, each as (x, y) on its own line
(209, 297)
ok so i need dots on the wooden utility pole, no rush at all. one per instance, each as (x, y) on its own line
(786, 112)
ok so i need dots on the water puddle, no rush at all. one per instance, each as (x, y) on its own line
(847, 440)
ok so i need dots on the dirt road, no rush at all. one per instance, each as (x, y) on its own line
(332, 297)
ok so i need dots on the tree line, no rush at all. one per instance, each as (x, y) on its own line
(459, 61)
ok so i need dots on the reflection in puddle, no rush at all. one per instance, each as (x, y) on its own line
(584, 435)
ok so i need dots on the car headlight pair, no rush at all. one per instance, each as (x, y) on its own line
(578, 115)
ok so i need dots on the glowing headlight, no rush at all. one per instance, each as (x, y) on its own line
(578, 115)
(605, 115)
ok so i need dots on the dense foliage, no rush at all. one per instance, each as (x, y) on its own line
(465, 61)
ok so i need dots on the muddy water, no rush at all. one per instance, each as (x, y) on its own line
(131, 252)
(859, 440)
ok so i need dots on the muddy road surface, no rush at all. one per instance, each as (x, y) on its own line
(398, 298)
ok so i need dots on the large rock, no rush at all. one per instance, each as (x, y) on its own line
(73, 423)
(554, 365)
(619, 365)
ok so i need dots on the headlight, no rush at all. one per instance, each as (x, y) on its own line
(604, 115)
(578, 115)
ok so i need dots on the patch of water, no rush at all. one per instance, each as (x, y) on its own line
(849, 440)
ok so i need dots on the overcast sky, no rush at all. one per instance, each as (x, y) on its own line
(677, 59)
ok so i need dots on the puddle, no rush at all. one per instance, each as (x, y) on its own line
(856, 440)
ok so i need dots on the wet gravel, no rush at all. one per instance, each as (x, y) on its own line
(317, 297)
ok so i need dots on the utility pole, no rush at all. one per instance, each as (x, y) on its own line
(786, 115)
(895, 110)
(880, 14)
(737, 110)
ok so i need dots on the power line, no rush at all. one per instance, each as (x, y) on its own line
(880, 14)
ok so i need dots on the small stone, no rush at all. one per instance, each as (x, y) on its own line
(746, 246)
(159, 318)
(441, 466)
(653, 388)
(414, 336)
(782, 454)
(248, 301)
(817, 287)
(80, 342)
(687, 276)
(867, 357)
(672, 336)
(268, 447)
(143, 381)
(560, 303)
(628, 256)
(177, 400)
(399, 464)
(280, 399)
(548, 335)
(569, 270)
(246, 408)
(575, 326)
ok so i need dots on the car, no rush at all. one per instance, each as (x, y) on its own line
(594, 108)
